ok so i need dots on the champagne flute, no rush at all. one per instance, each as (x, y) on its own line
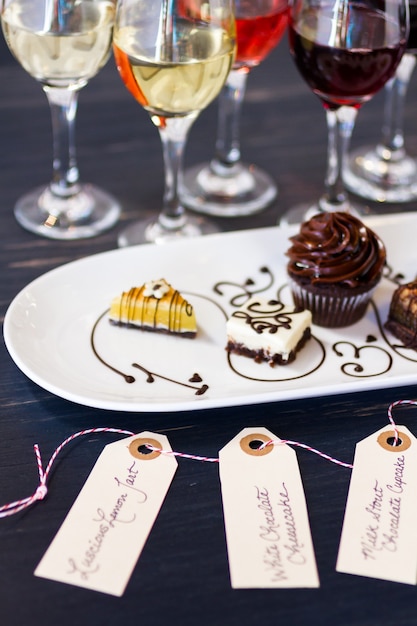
(346, 50)
(62, 44)
(385, 172)
(227, 186)
(174, 57)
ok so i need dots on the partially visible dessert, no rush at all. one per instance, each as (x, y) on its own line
(402, 316)
(155, 306)
(335, 264)
(268, 330)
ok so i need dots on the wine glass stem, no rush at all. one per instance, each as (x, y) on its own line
(228, 128)
(63, 106)
(340, 125)
(391, 146)
(173, 133)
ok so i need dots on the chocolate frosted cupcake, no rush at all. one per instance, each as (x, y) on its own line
(335, 264)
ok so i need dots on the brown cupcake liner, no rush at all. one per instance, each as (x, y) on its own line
(331, 310)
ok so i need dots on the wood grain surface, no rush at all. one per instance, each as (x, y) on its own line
(182, 577)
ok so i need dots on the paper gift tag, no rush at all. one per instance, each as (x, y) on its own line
(379, 535)
(105, 531)
(267, 529)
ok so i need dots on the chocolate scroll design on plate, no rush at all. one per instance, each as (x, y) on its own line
(359, 368)
(245, 368)
(394, 277)
(193, 382)
(245, 290)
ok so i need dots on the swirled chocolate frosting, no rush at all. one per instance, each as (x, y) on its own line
(336, 248)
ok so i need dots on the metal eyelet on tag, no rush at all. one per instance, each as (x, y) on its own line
(145, 454)
(385, 440)
(249, 444)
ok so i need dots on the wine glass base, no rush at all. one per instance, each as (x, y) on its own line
(298, 214)
(303, 212)
(242, 190)
(369, 176)
(84, 215)
(151, 231)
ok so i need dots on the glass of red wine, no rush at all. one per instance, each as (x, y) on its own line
(228, 187)
(385, 172)
(346, 51)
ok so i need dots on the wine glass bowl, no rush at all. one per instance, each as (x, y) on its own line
(346, 51)
(385, 172)
(174, 57)
(227, 186)
(62, 45)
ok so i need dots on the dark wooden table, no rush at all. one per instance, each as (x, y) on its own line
(182, 576)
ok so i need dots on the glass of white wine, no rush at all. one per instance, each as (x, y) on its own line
(174, 56)
(62, 44)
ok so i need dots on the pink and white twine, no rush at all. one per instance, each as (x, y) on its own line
(41, 491)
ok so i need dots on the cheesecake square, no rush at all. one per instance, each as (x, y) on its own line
(268, 330)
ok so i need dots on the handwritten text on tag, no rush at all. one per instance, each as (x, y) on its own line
(379, 537)
(267, 530)
(105, 531)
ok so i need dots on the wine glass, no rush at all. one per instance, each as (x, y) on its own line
(62, 44)
(174, 57)
(346, 50)
(385, 172)
(227, 186)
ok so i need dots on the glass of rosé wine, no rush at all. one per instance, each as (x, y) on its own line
(227, 186)
(62, 44)
(346, 51)
(174, 57)
(385, 172)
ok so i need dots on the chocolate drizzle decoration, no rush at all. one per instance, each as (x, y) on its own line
(152, 294)
(199, 389)
(390, 274)
(268, 320)
(246, 289)
(356, 359)
(357, 368)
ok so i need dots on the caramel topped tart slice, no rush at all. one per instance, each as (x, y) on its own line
(155, 306)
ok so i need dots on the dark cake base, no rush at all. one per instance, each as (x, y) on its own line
(404, 334)
(259, 356)
(152, 329)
